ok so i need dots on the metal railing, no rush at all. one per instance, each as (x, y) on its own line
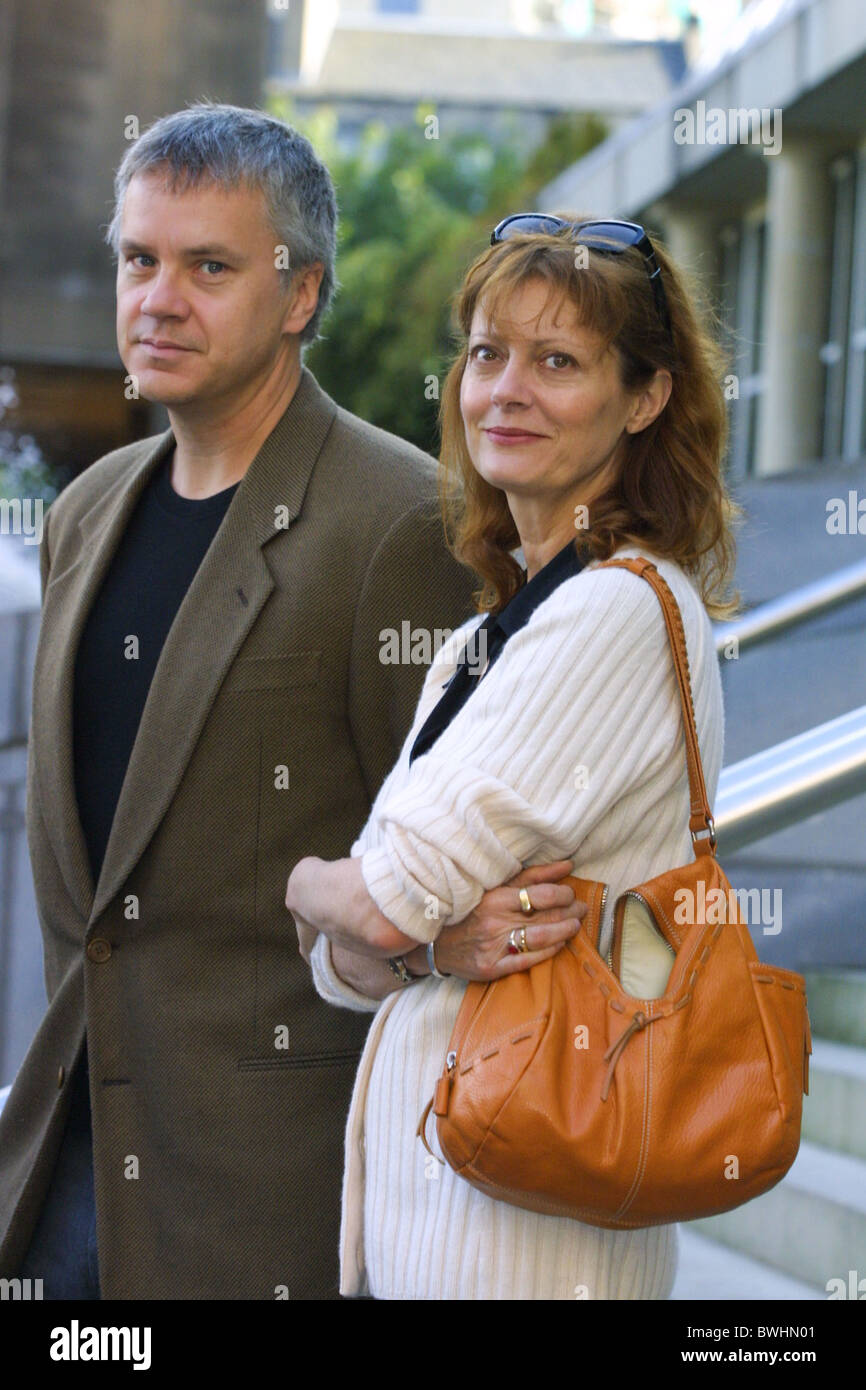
(791, 781)
(776, 616)
(813, 771)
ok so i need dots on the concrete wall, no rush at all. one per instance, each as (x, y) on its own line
(71, 73)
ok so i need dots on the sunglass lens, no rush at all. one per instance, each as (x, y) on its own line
(602, 234)
(526, 224)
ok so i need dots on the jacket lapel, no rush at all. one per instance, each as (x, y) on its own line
(226, 595)
(69, 599)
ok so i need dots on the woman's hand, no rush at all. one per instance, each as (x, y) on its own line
(477, 947)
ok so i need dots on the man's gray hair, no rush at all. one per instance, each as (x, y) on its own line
(231, 145)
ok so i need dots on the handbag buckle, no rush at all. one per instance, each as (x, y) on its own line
(711, 827)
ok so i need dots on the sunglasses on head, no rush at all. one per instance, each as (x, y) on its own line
(611, 236)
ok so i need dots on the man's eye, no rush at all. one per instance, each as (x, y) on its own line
(213, 267)
(131, 261)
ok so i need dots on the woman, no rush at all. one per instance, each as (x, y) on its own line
(584, 417)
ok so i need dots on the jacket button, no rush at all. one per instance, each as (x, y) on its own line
(61, 1077)
(98, 950)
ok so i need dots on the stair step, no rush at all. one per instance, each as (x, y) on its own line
(811, 1225)
(837, 1005)
(834, 1112)
(709, 1271)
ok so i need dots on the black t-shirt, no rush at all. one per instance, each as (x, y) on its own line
(163, 546)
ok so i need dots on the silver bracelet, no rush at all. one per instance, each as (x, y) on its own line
(431, 961)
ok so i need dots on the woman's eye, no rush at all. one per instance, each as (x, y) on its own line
(481, 353)
(560, 360)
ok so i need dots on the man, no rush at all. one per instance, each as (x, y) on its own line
(209, 707)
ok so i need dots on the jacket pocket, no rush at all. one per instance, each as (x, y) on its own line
(272, 672)
(301, 1061)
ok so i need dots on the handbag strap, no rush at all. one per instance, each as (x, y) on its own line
(700, 818)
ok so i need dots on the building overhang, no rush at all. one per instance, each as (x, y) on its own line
(465, 64)
(808, 62)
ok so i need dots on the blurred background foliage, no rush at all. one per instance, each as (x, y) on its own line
(414, 212)
(24, 470)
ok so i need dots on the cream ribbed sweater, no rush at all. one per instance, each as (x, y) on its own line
(572, 746)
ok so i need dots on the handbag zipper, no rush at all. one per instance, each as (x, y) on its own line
(601, 919)
(630, 893)
(627, 894)
(440, 1099)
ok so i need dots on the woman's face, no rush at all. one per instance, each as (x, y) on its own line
(543, 406)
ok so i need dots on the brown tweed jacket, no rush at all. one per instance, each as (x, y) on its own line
(182, 961)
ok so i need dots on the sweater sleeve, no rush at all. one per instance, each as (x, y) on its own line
(332, 987)
(581, 708)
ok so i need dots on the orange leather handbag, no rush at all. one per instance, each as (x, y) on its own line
(661, 1084)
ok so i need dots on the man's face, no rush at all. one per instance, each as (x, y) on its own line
(202, 315)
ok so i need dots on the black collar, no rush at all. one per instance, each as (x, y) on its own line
(519, 609)
(499, 627)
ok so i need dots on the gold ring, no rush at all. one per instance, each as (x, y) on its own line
(525, 903)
